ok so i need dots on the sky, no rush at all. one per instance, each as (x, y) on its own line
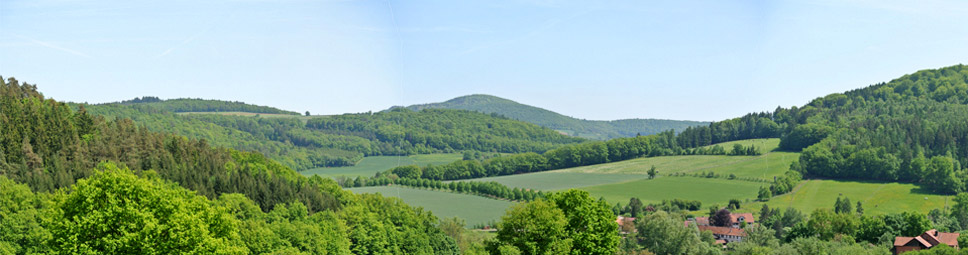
(600, 60)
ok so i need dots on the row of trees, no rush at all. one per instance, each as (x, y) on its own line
(487, 189)
(635, 207)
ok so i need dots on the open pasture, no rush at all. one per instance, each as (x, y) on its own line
(473, 209)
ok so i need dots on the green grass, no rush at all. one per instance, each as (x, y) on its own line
(371, 165)
(763, 145)
(876, 197)
(619, 181)
(556, 180)
(771, 163)
(473, 209)
(706, 190)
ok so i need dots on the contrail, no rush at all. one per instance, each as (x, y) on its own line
(52, 46)
(396, 28)
(186, 41)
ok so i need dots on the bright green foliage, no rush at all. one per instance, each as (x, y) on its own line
(764, 194)
(591, 224)
(568, 222)
(22, 214)
(537, 227)
(117, 212)
(591, 129)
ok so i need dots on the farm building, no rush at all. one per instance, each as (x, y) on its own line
(927, 240)
(725, 235)
(736, 220)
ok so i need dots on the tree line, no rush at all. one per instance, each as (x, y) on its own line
(203, 105)
(487, 189)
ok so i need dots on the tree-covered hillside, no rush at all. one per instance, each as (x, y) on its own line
(343, 140)
(76, 183)
(591, 129)
(911, 129)
(203, 105)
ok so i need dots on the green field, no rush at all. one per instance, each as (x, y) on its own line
(619, 181)
(877, 197)
(473, 209)
(371, 165)
(556, 180)
(706, 190)
(771, 163)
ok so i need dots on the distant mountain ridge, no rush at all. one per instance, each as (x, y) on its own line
(202, 105)
(592, 129)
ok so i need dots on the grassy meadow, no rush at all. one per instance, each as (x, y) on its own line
(876, 197)
(473, 209)
(709, 191)
(771, 163)
(371, 165)
(619, 181)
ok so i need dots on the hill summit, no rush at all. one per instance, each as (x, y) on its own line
(592, 129)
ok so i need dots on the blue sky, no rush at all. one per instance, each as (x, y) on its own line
(697, 60)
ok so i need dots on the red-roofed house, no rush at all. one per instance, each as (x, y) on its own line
(724, 234)
(702, 221)
(736, 219)
(929, 239)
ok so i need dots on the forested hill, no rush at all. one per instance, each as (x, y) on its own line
(911, 129)
(76, 183)
(202, 105)
(341, 140)
(591, 129)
